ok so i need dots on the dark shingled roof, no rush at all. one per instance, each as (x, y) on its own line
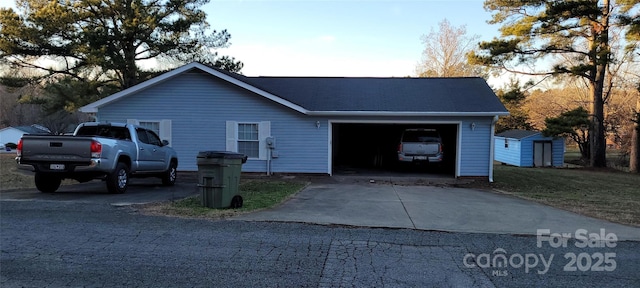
(517, 134)
(382, 94)
(463, 96)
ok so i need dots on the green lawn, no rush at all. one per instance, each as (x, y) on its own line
(615, 158)
(601, 193)
(257, 194)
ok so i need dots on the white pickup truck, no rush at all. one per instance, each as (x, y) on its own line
(112, 152)
(420, 145)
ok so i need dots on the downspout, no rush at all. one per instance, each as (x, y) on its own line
(492, 147)
(269, 163)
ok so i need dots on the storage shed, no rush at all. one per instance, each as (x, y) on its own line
(525, 148)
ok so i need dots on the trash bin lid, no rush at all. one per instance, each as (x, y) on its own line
(221, 155)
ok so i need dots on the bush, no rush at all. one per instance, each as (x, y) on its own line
(11, 145)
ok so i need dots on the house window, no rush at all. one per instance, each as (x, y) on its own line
(248, 142)
(248, 138)
(506, 143)
(151, 125)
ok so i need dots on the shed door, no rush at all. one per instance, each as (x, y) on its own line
(542, 154)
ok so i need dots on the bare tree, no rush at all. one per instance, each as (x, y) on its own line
(445, 52)
(549, 103)
(634, 154)
(63, 121)
(15, 113)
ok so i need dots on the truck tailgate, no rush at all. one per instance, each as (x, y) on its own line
(56, 149)
(417, 148)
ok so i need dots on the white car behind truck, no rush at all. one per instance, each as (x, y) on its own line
(113, 152)
(420, 145)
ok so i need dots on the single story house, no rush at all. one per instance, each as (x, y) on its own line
(525, 148)
(309, 124)
(13, 134)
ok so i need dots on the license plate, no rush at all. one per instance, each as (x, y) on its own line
(420, 158)
(56, 166)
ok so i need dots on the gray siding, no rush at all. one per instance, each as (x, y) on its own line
(199, 106)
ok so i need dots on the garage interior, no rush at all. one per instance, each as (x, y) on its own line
(361, 148)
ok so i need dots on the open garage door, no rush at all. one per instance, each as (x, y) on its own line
(373, 148)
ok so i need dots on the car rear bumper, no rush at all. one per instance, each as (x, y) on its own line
(92, 166)
(26, 167)
(420, 158)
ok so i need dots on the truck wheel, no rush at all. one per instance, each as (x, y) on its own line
(118, 181)
(169, 176)
(46, 182)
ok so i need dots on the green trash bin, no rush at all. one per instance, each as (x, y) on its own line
(219, 178)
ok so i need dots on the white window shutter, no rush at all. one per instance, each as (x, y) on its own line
(133, 121)
(232, 136)
(165, 131)
(264, 131)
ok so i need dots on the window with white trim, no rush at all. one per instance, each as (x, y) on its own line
(248, 141)
(248, 138)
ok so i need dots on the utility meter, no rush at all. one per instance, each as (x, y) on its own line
(271, 142)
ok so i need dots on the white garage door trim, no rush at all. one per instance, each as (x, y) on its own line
(330, 137)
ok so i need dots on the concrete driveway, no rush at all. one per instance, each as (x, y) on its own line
(430, 208)
(359, 203)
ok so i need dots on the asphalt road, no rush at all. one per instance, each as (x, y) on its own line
(51, 243)
(140, 191)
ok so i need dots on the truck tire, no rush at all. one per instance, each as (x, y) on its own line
(47, 182)
(169, 176)
(118, 181)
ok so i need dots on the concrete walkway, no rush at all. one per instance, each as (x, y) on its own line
(430, 208)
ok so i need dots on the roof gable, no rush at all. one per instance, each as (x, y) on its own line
(226, 76)
(352, 95)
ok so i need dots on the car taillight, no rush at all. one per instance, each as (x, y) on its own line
(440, 148)
(96, 149)
(19, 148)
(400, 147)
